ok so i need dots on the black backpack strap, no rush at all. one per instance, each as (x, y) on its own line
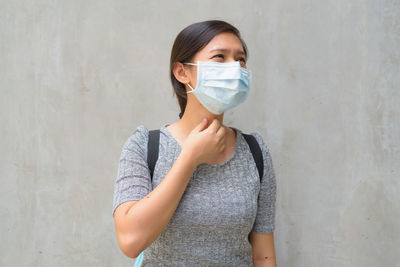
(152, 150)
(256, 151)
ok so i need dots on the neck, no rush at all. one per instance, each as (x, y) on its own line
(194, 113)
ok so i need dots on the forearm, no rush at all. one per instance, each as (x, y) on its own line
(263, 249)
(149, 216)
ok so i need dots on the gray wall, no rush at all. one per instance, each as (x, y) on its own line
(77, 77)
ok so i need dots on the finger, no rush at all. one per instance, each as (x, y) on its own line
(221, 131)
(214, 126)
(201, 126)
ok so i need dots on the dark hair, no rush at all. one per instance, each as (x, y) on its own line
(188, 42)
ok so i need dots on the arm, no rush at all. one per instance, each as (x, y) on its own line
(263, 249)
(139, 223)
(262, 235)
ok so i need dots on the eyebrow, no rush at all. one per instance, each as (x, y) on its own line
(226, 50)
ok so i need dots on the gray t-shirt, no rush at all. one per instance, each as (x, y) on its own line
(222, 203)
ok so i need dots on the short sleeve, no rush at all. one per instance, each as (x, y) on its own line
(133, 180)
(265, 218)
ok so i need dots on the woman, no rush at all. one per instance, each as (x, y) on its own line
(205, 204)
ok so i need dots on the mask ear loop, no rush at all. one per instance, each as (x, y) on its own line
(193, 64)
(190, 88)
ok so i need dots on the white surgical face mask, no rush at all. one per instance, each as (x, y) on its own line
(221, 86)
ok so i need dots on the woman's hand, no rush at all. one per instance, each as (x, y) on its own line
(204, 143)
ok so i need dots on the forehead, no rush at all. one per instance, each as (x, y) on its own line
(225, 41)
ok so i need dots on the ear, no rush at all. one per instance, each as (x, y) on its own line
(181, 73)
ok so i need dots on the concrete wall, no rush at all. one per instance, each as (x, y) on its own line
(77, 77)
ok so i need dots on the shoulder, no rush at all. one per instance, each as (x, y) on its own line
(261, 141)
(267, 158)
(265, 149)
(137, 139)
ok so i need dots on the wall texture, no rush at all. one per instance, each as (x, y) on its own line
(77, 77)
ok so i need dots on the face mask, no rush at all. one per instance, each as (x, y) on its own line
(221, 86)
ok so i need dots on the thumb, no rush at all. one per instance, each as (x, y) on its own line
(202, 125)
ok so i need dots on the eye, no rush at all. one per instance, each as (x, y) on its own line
(218, 56)
(242, 59)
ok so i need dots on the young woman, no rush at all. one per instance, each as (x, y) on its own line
(206, 204)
